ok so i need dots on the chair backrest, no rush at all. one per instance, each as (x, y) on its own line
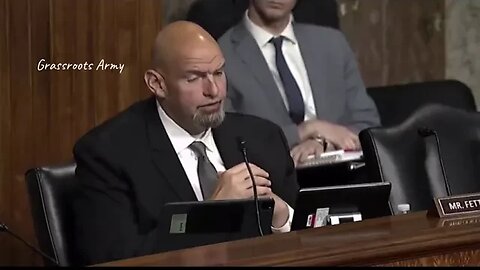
(217, 16)
(395, 103)
(50, 191)
(411, 163)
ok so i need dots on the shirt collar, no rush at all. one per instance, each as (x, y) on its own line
(262, 36)
(179, 137)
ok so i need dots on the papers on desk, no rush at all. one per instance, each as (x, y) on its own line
(331, 157)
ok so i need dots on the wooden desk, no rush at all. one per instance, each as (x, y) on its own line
(412, 239)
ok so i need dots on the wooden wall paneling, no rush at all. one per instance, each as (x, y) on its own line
(43, 113)
(363, 24)
(40, 49)
(127, 51)
(83, 95)
(415, 40)
(105, 82)
(21, 117)
(5, 129)
(63, 32)
(149, 24)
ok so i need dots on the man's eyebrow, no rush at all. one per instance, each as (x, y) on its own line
(222, 66)
(199, 72)
(195, 72)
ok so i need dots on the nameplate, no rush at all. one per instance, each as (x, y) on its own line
(458, 221)
(458, 205)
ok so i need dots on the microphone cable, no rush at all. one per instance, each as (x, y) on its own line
(243, 148)
(4, 228)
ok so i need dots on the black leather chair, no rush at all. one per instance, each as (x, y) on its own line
(412, 164)
(50, 191)
(395, 103)
(217, 16)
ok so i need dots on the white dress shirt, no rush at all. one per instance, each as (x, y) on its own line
(293, 57)
(181, 141)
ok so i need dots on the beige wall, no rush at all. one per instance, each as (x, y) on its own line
(396, 41)
(463, 43)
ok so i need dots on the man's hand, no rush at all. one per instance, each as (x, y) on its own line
(300, 152)
(340, 136)
(280, 210)
(235, 183)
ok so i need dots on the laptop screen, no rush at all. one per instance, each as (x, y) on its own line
(362, 201)
(196, 223)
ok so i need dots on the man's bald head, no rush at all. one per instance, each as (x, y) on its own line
(187, 76)
(176, 39)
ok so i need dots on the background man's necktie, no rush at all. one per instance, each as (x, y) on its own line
(292, 91)
(207, 174)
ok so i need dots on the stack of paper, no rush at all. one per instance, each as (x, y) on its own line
(331, 158)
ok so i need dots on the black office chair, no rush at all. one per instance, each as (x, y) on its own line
(395, 103)
(50, 191)
(411, 162)
(217, 16)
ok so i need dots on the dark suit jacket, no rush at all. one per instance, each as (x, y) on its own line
(128, 170)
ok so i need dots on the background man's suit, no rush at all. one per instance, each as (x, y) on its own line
(217, 16)
(337, 87)
(128, 170)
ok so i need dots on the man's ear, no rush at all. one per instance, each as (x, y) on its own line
(155, 83)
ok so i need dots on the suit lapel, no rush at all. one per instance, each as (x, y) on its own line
(250, 54)
(313, 59)
(227, 144)
(165, 157)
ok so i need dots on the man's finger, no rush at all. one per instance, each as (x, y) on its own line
(242, 171)
(303, 156)
(260, 181)
(262, 191)
(318, 150)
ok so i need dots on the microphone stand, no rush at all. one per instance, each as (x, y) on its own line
(4, 228)
(426, 132)
(255, 196)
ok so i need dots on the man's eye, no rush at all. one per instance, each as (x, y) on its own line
(218, 73)
(192, 79)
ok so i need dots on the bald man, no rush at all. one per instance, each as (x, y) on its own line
(131, 165)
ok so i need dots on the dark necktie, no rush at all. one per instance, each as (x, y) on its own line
(207, 174)
(292, 91)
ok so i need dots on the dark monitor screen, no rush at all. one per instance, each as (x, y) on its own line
(196, 223)
(319, 204)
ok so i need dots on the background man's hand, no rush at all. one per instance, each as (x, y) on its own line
(340, 136)
(300, 152)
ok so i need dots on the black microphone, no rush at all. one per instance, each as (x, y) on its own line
(4, 228)
(243, 149)
(426, 132)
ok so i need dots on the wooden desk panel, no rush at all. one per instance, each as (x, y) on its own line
(413, 239)
(459, 258)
